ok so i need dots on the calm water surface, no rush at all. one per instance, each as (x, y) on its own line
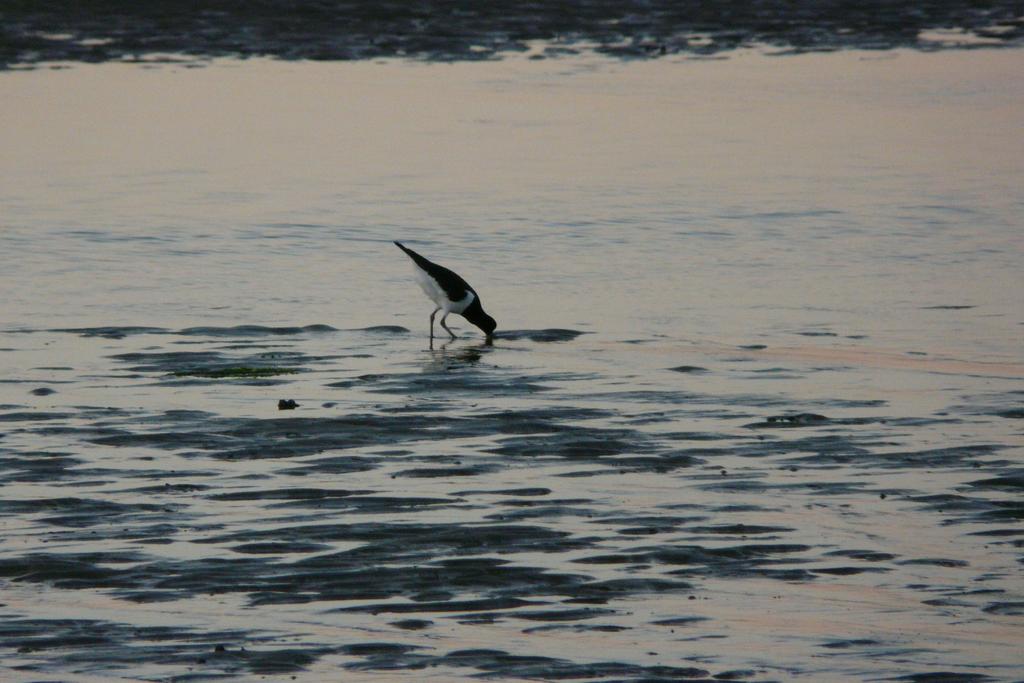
(755, 414)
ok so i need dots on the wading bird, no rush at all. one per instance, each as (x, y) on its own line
(451, 293)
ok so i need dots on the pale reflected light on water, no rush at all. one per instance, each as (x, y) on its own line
(715, 190)
(756, 412)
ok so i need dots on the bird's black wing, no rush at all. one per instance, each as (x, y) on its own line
(452, 284)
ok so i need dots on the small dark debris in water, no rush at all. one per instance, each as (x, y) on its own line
(235, 373)
(946, 308)
(287, 404)
(817, 333)
(1013, 413)
(916, 353)
(882, 496)
(754, 347)
(220, 648)
(43, 391)
(689, 369)
(329, 404)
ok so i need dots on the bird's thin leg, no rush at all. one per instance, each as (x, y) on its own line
(454, 336)
(432, 322)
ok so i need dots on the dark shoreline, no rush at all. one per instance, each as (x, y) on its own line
(460, 30)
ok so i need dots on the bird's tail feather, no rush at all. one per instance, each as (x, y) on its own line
(422, 262)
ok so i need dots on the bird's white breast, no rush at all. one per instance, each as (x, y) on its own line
(439, 296)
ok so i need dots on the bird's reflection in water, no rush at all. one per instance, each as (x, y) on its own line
(444, 357)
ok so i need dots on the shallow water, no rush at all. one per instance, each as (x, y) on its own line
(753, 412)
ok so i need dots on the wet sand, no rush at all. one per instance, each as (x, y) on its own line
(555, 506)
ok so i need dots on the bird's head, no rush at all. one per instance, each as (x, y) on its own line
(476, 315)
(488, 324)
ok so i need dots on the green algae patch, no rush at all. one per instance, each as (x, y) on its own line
(235, 373)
